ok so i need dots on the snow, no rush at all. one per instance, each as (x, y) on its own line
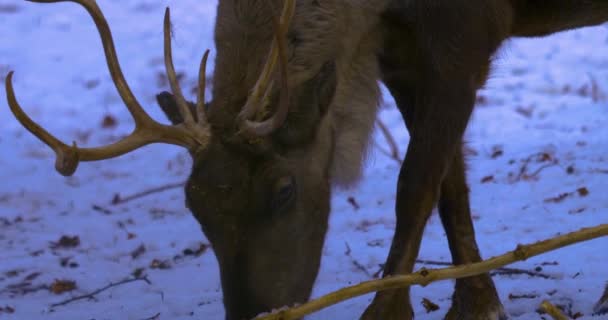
(547, 97)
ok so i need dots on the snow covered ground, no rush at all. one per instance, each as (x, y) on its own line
(539, 167)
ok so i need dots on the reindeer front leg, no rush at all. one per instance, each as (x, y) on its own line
(474, 297)
(433, 66)
(436, 120)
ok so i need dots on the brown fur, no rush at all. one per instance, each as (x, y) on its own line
(433, 56)
(316, 37)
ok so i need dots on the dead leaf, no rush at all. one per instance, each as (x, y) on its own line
(138, 251)
(429, 306)
(138, 273)
(196, 252)
(525, 111)
(570, 169)
(583, 192)
(91, 84)
(353, 202)
(109, 122)
(559, 198)
(487, 179)
(7, 309)
(160, 264)
(62, 286)
(32, 276)
(497, 151)
(66, 242)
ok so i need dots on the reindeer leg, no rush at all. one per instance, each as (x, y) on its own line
(475, 297)
(437, 121)
(433, 68)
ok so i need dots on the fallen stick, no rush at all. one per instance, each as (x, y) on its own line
(390, 140)
(154, 317)
(120, 200)
(552, 311)
(426, 276)
(499, 271)
(98, 291)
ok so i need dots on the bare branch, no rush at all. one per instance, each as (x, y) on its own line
(154, 317)
(120, 200)
(552, 310)
(390, 140)
(98, 291)
(426, 276)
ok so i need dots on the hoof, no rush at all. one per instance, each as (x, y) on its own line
(495, 313)
(393, 305)
(476, 299)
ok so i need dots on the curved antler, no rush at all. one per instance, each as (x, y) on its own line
(198, 128)
(189, 135)
(264, 85)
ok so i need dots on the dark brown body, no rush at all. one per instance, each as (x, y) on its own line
(435, 56)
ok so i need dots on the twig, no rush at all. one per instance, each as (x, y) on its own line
(512, 271)
(354, 261)
(541, 168)
(101, 209)
(394, 149)
(602, 171)
(539, 157)
(424, 276)
(154, 317)
(120, 200)
(499, 271)
(552, 310)
(98, 291)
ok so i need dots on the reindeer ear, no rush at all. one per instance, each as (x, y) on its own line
(166, 101)
(310, 102)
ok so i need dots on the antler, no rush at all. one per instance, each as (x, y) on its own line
(264, 85)
(190, 134)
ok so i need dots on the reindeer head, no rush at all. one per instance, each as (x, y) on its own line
(261, 150)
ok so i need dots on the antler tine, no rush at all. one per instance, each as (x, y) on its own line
(199, 131)
(182, 105)
(68, 157)
(275, 121)
(202, 83)
(146, 131)
(262, 88)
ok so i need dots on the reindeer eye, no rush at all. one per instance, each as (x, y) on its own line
(285, 191)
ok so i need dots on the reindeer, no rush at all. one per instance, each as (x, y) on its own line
(295, 95)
